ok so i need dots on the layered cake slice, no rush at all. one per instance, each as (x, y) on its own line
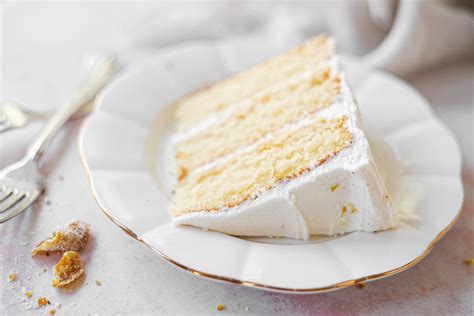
(278, 150)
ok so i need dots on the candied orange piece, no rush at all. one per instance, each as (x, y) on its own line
(68, 269)
(42, 301)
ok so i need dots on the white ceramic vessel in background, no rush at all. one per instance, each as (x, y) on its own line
(124, 150)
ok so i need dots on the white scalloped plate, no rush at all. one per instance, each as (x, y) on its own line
(123, 150)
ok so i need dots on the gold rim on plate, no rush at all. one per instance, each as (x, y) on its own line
(335, 286)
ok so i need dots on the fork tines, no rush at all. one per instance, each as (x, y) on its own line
(13, 201)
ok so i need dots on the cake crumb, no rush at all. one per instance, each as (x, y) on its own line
(360, 286)
(98, 283)
(11, 277)
(343, 210)
(44, 270)
(28, 294)
(334, 187)
(346, 207)
(182, 172)
(469, 262)
(52, 311)
(73, 237)
(42, 301)
(220, 307)
(265, 98)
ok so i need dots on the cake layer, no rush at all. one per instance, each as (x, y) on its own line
(195, 108)
(289, 153)
(266, 112)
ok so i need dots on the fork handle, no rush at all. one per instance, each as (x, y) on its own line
(99, 75)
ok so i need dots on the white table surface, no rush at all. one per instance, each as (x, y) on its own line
(41, 50)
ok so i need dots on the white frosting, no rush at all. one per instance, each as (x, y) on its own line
(306, 205)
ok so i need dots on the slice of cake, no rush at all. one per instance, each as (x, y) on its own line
(278, 150)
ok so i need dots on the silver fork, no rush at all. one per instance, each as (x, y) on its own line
(22, 182)
(14, 116)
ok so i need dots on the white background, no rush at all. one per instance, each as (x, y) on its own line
(42, 45)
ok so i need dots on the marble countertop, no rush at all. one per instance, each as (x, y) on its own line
(41, 50)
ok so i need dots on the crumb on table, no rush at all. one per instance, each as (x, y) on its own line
(52, 311)
(28, 294)
(42, 301)
(220, 307)
(469, 262)
(98, 283)
(11, 277)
